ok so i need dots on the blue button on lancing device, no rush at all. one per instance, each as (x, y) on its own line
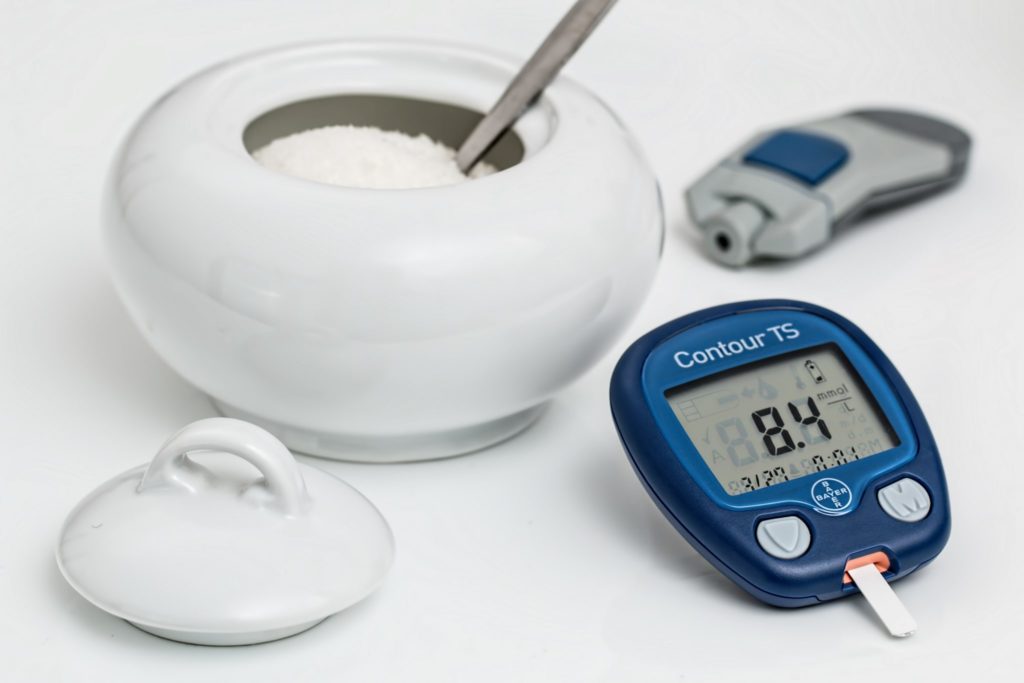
(807, 157)
(785, 447)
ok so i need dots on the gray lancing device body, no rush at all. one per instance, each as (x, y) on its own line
(759, 202)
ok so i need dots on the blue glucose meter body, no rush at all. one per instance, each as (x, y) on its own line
(784, 446)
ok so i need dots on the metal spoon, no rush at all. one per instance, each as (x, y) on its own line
(536, 74)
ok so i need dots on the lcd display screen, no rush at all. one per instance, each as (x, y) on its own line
(783, 418)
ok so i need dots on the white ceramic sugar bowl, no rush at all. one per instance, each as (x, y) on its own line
(379, 325)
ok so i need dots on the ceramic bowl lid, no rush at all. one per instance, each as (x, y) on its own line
(224, 555)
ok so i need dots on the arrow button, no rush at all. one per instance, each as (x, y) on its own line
(786, 538)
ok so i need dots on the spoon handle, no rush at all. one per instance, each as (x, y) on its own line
(536, 74)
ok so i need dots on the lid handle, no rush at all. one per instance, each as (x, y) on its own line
(236, 437)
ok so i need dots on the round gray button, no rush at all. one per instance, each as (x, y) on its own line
(786, 538)
(905, 500)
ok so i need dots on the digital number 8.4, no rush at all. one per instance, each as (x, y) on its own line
(770, 431)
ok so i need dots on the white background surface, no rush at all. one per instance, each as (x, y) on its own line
(542, 558)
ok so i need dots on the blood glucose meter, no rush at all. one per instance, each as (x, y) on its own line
(785, 448)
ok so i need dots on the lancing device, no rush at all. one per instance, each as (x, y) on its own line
(786, 192)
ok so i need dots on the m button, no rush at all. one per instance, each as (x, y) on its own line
(905, 500)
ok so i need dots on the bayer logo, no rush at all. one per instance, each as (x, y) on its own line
(832, 496)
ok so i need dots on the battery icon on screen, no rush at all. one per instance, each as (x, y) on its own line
(814, 371)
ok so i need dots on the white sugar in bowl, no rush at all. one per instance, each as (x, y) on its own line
(379, 325)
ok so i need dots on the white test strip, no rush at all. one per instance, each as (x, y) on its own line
(883, 600)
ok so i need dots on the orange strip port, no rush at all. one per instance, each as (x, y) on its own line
(879, 559)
